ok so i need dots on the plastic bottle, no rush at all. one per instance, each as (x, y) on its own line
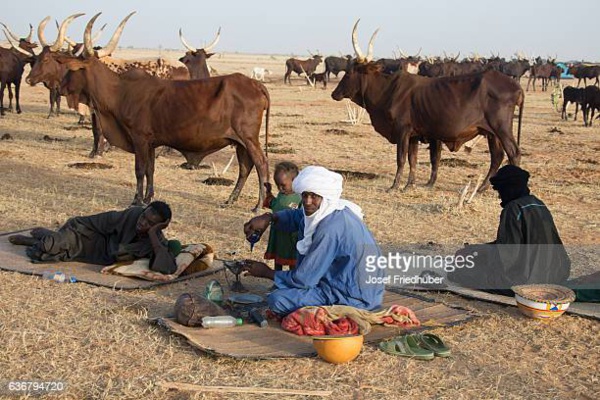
(254, 238)
(221, 321)
(59, 277)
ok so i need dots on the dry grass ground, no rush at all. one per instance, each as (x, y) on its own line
(99, 342)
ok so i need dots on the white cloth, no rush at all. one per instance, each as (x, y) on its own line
(327, 184)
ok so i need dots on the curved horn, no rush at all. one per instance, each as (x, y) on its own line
(98, 34)
(9, 31)
(20, 50)
(214, 42)
(401, 52)
(357, 50)
(41, 28)
(418, 53)
(87, 36)
(70, 41)
(456, 58)
(185, 44)
(62, 32)
(371, 42)
(30, 36)
(112, 45)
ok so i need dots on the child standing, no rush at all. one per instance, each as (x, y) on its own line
(282, 244)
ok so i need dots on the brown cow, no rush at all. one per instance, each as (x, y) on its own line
(406, 108)
(301, 67)
(45, 69)
(48, 70)
(138, 113)
(196, 60)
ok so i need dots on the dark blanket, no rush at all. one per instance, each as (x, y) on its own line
(101, 239)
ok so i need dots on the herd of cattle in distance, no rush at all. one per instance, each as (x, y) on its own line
(139, 105)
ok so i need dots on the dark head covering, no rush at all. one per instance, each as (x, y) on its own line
(511, 183)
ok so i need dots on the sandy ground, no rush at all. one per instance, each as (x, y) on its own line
(98, 340)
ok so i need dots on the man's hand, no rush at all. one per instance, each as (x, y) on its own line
(260, 223)
(258, 269)
(159, 226)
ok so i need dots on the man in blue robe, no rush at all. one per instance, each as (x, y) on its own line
(334, 247)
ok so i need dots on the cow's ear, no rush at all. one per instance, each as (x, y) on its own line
(209, 55)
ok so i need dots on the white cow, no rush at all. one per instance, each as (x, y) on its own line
(258, 73)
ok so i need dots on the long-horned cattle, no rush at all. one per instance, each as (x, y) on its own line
(138, 113)
(46, 69)
(196, 60)
(306, 67)
(12, 65)
(406, 109)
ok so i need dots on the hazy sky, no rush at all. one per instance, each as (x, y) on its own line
(568, 29)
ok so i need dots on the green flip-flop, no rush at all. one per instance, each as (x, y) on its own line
(406, 346)
(433, 343)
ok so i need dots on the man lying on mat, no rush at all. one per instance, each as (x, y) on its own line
(106, 238)
(333, 245)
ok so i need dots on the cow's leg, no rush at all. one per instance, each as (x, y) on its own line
(99, 141)
(245, 165)
(150, 175)
(529, 81)
(563, 114)
(501, 122)
(17, 96)
(413, 151)
(576, 110)
(401, 152)
(51, 98)
(57, 101)
(10, 98)
(2, 86)
(435, 153)
(496, 157)
(141, 161)
(259, 160)
(584, 111)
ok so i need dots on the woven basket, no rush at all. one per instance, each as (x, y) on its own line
(543, 300)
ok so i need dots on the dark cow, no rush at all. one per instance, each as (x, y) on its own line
(591, 102)
(406, 108)
(335, 65)
(321, 77)
(584, 72)
(301, 67)
(196, 59)
(515, 68)
(572, 95)
(138, 113)
(12, 64)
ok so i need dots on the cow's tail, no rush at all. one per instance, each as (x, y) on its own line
(521, 104)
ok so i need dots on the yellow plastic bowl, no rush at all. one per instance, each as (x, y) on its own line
(338, 349)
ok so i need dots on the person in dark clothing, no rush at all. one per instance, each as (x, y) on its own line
(106, 238)
(527, 249)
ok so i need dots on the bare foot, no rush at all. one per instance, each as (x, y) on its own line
(22, 240)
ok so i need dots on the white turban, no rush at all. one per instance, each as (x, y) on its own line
(328, 185)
